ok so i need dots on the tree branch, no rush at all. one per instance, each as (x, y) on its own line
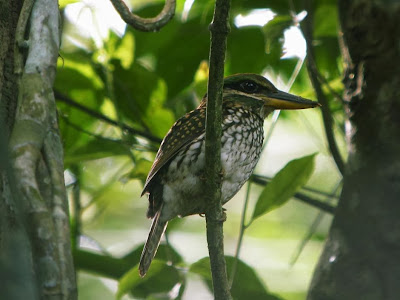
(96, 114)
(146, 24)
(20, 42)
(37, 153)
(314, 75)
(219, 29)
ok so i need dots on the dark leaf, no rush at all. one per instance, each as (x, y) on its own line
(251, 58)
(246, 284)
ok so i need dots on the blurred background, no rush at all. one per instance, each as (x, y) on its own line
(119, 91)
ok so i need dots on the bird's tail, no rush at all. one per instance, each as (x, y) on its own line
(153, 241)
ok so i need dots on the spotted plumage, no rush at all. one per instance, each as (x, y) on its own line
(174, 183)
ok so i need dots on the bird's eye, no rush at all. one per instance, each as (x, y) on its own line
(249, 86)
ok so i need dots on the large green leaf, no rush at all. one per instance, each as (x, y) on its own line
(251, 58)
(160, 280)
(327, 53)
(284, 185)
(176, 52)
(121, 48)
(275, 28)
(202, 10)
(326, 21)
(96, 149)
(246, 284)
(77, 80)
(140, 95)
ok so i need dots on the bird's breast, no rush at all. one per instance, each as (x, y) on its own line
(241, 144)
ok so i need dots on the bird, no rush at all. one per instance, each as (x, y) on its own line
(175, 182)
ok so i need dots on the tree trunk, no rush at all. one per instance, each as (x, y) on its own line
(361, 259)
(35, 254)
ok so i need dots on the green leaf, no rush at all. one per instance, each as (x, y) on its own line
(326, 21)
(178, 67)
(140, 95)
(251, 58)
(246, 284)
(125, 51)
(284, 185)
(327, 53)
(140, 171)
(96, 149)
(160, 279)
(132, 277)
(277, 6)
(64, 3)
(275, 28)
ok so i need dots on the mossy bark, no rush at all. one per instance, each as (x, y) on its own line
(35, 252)
(361, 259)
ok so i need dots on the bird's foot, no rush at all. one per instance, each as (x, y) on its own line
(223, 217)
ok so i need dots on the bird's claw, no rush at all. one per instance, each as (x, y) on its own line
(222, 219)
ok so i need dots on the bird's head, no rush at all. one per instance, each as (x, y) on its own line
(259, 94)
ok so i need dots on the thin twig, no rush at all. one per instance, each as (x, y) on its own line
(331, 90)
(219, 29)
(20, 35)
(61, 97)
(313, 73)
(241, 234)
(313, 226)
(146, 24)
(263, 178)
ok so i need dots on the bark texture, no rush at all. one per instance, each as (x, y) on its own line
(35, 254)
(361, 259)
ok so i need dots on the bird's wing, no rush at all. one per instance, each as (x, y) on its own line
(184, 131)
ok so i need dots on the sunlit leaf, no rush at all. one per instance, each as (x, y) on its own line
(125, 51)
(284, 184)
(275, 28)
(63, 3)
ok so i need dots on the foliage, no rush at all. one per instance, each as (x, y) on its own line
(283, 186)
(118, 94)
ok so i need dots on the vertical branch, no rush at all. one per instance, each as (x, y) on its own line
(313, 73)
(37, 156)
(219, 29)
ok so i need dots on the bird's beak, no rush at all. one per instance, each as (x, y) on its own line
(282, 100)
